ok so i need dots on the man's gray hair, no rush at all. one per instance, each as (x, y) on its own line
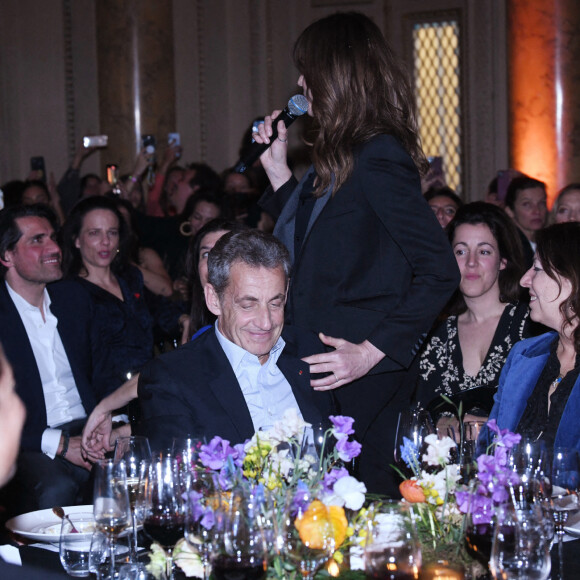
(252, 247)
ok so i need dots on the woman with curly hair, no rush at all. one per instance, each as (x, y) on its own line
(539, 387)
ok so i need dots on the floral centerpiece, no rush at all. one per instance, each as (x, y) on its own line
(440, 499)
(291, 469)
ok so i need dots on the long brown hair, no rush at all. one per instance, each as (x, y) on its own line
(358, 90)
(558, 248)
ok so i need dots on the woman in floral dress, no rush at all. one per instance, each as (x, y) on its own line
(466, 352)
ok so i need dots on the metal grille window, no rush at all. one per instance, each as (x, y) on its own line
(437, 90)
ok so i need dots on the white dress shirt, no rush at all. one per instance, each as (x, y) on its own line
(61, 396)
(266, 391)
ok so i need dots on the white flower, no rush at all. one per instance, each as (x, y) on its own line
(291, 425)
(438, 449)
(188, 559)
(443, 482)
(347, 492)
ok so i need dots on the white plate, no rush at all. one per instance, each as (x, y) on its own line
(44, 526)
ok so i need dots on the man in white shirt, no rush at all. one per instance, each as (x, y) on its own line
(45, 333)
(243, 373)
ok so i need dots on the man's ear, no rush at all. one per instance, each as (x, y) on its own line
(509, 211)
(212, 299)
(6, 259)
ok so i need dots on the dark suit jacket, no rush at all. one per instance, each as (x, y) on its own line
(193, 391)
(375, 265)
(73, 309)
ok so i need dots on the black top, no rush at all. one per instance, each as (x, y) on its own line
(441, 369)
(122, 331)
(536, 422)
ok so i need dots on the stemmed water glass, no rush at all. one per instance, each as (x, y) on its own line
(111, 506)
(202, 507)
(391, 549)
(163, 504)
(136, 454)
(564, 501)
(304, 536)
(413, 424)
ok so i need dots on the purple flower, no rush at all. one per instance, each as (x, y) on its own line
(332, 477)
(479, 506)
(342, 426)
(348, 450)
(215, 454)
(504, 437)
(301, 499)
(208, 520)
(195, 505)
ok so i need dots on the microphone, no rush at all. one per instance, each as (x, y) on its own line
(297, 106)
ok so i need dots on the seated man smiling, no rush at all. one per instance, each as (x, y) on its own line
(242, 374)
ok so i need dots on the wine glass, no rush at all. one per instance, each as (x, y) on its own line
(111, 506)
(520, 548)
(564, 501)
(202, 504)
(305, 536)
(391, 548)
(136, 454)
(479, 526)
(413, 424)
(163, 505)
(239, 549)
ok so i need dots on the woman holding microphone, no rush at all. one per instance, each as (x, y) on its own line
(372, 267)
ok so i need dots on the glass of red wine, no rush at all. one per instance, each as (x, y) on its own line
(239, 551)
(479, 526)
(163, 505)
(392, 550)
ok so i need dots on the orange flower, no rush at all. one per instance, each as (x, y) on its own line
(412, 491)
(312, 525)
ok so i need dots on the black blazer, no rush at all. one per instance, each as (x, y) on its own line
(375, 263)
(193, 391)
(73, 309)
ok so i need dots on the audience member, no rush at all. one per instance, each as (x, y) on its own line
(163, 233)
(198, 322)
(444, 202)
(71, 187)
(196, 265)
(95, 255)
(36, 191)
(243, 374)
(12, 416)
(372, 267)
(525, 203)
(567, 205)
(200, 209)
(539, 387)
(167, 177)
(464, 355)
(45, 328)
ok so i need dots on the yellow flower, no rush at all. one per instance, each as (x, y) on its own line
(317, 517)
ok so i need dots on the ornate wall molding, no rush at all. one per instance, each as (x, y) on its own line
(69, 87)
(201, 72)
